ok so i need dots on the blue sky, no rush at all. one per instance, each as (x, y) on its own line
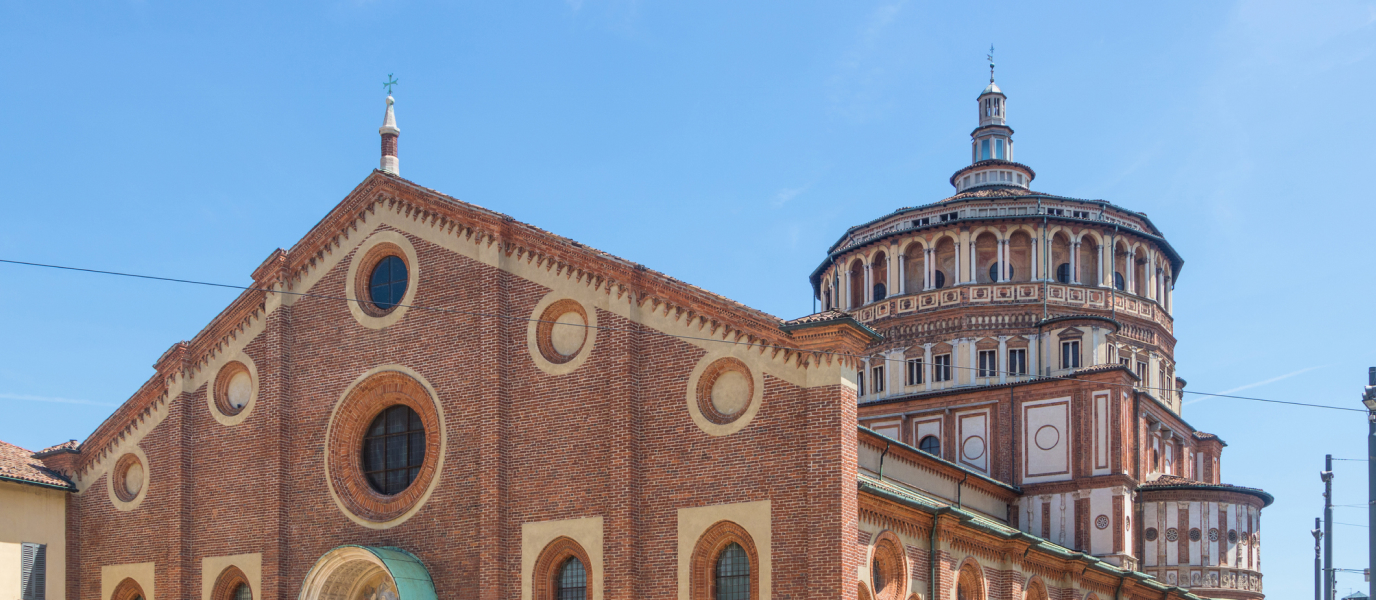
(725, 143)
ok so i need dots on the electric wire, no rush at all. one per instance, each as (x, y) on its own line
(617, 329)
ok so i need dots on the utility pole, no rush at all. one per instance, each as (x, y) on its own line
(1318, 560)
(1369, 399)
(1327, 477)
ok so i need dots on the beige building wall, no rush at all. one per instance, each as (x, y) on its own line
(30, 513)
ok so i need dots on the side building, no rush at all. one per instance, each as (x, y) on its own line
(1029, 338)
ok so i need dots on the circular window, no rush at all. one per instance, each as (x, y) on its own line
(1172, 534)
(1119, 283)
(394, 449)
(1232, 536)
(387, 283)
(1213, 534)
(1063, 273)
(1150, 534)
(1194, 534)
(233, 388)
(725, 390)
(931, 445)
(385, 446)
(940, 280)
(382, 278)
(562, 331)
(1101, 521)
(994, 272)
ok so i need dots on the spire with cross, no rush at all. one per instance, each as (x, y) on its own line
(390, 132)
(392, 81)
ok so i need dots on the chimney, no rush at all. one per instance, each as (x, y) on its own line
(390, 162)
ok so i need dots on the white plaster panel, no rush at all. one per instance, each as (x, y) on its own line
(1046, 440)
(973, 428)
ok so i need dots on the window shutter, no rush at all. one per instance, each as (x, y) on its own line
(33, 571)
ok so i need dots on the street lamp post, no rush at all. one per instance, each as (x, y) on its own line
(1369, 399)
(1327, 477)
(1318, 559)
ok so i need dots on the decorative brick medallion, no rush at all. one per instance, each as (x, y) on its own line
(562, 331)
(725, 390)
(129, 477)
(233, 388)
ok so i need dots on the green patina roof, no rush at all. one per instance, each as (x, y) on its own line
(412, 578)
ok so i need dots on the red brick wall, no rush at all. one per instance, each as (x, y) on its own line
(612, 439)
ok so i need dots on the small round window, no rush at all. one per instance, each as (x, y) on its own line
(940, 280)
(931, 445)
(387, 283)
(394, 450)
(994, 272)
(1063, 273)
(1119, 283)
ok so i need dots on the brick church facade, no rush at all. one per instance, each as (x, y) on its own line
(426, 399)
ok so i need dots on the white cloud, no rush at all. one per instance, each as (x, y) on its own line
(52, 399)
(1256, 384)
(784, 195)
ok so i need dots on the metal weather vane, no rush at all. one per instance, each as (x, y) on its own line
(391, 82)
(990, 56)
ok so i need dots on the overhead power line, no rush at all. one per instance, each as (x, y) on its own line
(608, 328)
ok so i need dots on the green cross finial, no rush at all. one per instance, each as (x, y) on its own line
(390, 82)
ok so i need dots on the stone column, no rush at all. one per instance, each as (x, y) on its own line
(1036, 274)
(974, 262)
(1003, 261)
(1105, 281)
(927, 367)
(1034, 363)
(902, 274)
(958, 275)
(1002, 359)
(867, 294)
(1075, 262)
(1131, 275)
(974, 363)
(928, 268)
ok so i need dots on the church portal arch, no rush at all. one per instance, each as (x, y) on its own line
(368, 573)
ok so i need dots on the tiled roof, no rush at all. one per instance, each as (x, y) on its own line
(18, 464)
(1172, 482)
(829, 315)
(71, 446)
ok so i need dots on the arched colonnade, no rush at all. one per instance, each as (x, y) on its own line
(916, 264)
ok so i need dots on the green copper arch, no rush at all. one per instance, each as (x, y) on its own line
(412, 578)
(407, 572)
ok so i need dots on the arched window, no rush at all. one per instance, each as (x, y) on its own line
(970, 585)
(571, 583)
(857, 284)
(387, 283)
(1063, 273)
(561, 572)
(930, 444)
(880, 292)
(733, 574)
(231, 584)
(393, 449)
